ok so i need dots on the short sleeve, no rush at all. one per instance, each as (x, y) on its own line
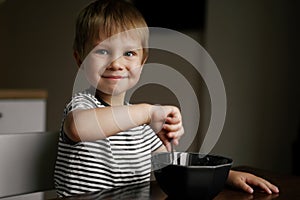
(78, 101)
(82, 101)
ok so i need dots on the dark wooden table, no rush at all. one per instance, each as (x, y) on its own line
(289, 187)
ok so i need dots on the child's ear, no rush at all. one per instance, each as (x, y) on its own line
(77, 58)
(144, 60)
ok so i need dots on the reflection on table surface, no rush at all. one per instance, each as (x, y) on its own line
(138, 191)
(289, 190)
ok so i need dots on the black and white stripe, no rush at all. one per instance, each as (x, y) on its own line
(116, 161)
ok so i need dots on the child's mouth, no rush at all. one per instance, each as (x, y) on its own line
(114, 77)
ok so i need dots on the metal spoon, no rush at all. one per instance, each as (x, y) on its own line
(172, 153)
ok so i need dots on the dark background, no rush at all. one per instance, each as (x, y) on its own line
(255, 45)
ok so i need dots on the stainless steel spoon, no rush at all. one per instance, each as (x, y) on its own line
(172, 153)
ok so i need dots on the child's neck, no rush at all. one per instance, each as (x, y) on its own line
(116, 100)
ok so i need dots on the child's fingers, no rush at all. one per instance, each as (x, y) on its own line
(244, 186)
(263, 184)
(172, 127)
(172, 111)
(164, 138)
(172, 120)
(175, 134)
(167, 136)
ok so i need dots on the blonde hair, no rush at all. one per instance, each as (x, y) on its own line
(103, 18)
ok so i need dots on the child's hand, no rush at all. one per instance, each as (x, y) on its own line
(243, 180)
(166, 121)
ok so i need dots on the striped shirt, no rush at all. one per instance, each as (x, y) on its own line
(118, 160)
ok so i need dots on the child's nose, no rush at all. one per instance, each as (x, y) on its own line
(116, 64)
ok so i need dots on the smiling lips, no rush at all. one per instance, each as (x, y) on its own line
(112, 77)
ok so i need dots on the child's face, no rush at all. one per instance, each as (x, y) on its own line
(115, 64)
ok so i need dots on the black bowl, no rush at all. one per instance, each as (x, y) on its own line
(190, 175)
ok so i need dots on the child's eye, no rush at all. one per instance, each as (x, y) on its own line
(129, 53)
(102, 52)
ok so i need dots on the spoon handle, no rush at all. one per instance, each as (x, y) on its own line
(172, 153)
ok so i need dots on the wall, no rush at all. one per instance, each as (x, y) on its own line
(254, 45)
(36, 50)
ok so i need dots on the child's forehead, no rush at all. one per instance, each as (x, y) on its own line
(120, 39)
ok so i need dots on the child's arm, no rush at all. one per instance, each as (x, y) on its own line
(99, 123)
(243, 180)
